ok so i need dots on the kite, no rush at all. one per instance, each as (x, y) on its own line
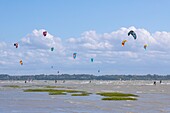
(52, 49)
(74, 55)
(133, 34)
(21, 62)
(145, 46)
(16, 45)
(45, 33)
(92, 59)
(123, 42)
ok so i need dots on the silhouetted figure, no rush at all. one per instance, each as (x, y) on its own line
(63, 81)
(25, 81)
(154, 82)
(90, 81)
(55, 81)
(160, 81)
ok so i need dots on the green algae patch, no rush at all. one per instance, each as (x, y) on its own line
(39, 90)
(72, 91)
(12, 86)
(117, 96)
(81, 94)
(54, 91)
(57, 93)
(51, 90)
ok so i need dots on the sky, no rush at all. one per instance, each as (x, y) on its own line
(92, 29)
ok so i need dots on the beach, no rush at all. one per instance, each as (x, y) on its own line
(152, 98)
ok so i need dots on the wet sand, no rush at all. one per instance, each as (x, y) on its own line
(152, 98)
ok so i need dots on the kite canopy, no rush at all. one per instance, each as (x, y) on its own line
(132, 33)
(21, 62)
(16, 45)
(123, 42)
(92, 59)
(74, 55)
(45, 33)
(146, 45)
(52, 49)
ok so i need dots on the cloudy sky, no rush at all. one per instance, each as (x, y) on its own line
(92, 29)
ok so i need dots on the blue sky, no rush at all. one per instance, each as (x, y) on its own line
(67, 18)
(77, 22)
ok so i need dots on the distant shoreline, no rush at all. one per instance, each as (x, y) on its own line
(83, 77)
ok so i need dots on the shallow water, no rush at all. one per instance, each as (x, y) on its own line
(152, 99)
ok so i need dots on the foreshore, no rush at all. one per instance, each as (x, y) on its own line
(152, 98)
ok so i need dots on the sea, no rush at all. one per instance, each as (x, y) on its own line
(153, 98)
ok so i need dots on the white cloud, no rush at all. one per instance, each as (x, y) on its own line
(106, 49)
(3, 45)
(36, 40)
(163, 39)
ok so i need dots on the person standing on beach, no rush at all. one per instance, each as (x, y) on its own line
(160, 81)
(55, 81)
(154, 82)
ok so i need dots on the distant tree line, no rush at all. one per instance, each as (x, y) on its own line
(84, 77)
